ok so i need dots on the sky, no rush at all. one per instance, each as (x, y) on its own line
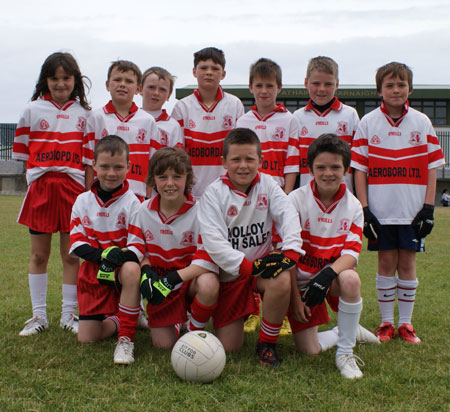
(360, 35)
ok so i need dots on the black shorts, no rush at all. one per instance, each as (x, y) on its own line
(397, 237)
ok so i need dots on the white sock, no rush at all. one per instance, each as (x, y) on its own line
(38, 292)
(348, 321)
(69, 300)
(328, 338)
(406, 292)
(386, 288)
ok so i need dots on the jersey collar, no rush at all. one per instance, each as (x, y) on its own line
(115, 196)
(226, 180)
(155, 204)
(339, 195)
(280, 108)
(163, 116)
(389, 119)
(110, 109)
(336, 105)
(65, 106)
(219, 96)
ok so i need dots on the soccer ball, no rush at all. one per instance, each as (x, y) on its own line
(198, 356)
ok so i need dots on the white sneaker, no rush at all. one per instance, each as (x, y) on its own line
(34, 326)
(364, 335)
(70, 323)
(123, 354)
(142, 321)
(348, 366)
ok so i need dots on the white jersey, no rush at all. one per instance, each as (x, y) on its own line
(278, 134)
(170, 132)
(339, 119)
(396, 157)
(138, 130)
(49, 138)
(204, 130)
(102, 224)
(328, 232)
(235, 225)
(169, 243)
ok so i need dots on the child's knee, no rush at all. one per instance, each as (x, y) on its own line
(130, 274)
(208, 284)
(349, 281)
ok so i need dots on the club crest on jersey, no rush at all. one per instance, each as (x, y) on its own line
(279, 134)
(304, 131)
(104, 133)
(307, 225)
(232, 211)
(342, 128)
(375, 139)
(148, 236)
(164, 137)
(188, 238)
(86, 221)
(191, 124)
(227, 122)
(262, 203)
(141, 135)
(344, 226)
(43, 125)
(415, 139)
(121, 220)
(81, 124)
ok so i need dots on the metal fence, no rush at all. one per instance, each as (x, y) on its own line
(7, 131)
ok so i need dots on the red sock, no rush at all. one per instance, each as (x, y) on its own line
(200, 315)
(269, 332)
(128, 318)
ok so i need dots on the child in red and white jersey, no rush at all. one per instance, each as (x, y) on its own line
(163, 235)
(157, 87)
(108, 297)
(123, 118)
(206, 117)
(395, 155)
(331, 219)
(274, 125)
(49, 140)
(324, 113)
(236, 215)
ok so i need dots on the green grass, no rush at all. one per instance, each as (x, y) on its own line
(52, 372)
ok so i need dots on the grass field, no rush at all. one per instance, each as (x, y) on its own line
(52, 372)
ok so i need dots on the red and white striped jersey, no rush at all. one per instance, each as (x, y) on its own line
(328, 232)
(339, 118)
(278, 134)
(396, 157)
(169, 243)
(235, 225)
(49, 137)
(138, 129)
(170, 132)
(102, 224)
(204, 130)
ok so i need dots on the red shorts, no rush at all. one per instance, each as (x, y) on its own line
(48, 204)
(171, 311)
(319, 315)
(235, 301)
(94, 298)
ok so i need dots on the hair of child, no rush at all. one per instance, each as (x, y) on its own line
(265, 69)
(322, 64)
(213, 53)
(394, 69)
(162, 74)
(111, 144)
(125, 66)
(241, 135)
(330, 143)
(70, 66)
(170, 158)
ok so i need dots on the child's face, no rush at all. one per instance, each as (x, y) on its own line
(394, 92)
(111, 170)
(155, 92)
(171, 185)
(208, 74)
(242, 163)
(61, 86)
(321, 87)
(328, 171)
(265, 91)
(122, 86)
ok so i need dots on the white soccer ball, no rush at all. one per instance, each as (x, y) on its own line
(198, 357)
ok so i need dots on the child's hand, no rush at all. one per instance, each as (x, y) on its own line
(371, 224)
(299, 310)
(115, 255)
(105, 274)
(271, 265)
(164, 286)
(424, 221)
(317, 288)
(148, 277)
